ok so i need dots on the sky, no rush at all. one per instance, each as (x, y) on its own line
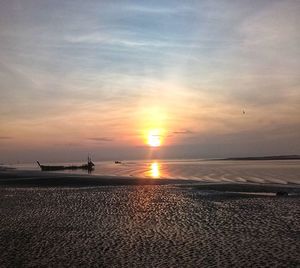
(207, 78)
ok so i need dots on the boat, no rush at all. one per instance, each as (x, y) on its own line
(88, 166)
(118, 162)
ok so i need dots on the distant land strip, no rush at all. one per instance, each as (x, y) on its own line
(270, 157)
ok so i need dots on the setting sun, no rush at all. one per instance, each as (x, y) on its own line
(154, 138)
(152, 123)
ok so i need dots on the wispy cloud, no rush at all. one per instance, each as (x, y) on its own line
(159, 10)
(103, 63)
(101, 139)
(134, 41)
(6, 138)
(186, 131)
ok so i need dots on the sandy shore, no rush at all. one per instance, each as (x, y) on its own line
(58, 220)
(49, 179)
(20, 178)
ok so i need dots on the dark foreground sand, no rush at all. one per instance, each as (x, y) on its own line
(139, 224)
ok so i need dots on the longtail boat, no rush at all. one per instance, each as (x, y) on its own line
(88, 166)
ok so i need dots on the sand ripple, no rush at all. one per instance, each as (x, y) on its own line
(146, 226)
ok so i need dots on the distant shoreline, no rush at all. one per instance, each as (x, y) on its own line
(271, 157)
(11, 166)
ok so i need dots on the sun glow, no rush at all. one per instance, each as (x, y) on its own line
(154, 138)
(152, 124)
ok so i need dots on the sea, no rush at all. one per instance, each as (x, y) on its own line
(257, 171)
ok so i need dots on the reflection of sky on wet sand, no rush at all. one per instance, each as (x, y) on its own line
(201, 170)
(208, 171)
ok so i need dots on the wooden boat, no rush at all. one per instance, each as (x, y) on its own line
(88, 166)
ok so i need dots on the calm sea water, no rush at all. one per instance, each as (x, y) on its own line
(287, 171)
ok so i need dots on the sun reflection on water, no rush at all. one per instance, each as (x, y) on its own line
(155, 170)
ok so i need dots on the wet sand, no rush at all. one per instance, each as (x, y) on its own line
(127, 222)
(19, 178)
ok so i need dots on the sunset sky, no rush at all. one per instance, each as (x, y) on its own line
(206, 78)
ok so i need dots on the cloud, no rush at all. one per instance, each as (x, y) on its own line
(101, 139)
(126, 40)
(71, 144)
(158, 10)
(6, 138)
(202, 61)
(186, 131)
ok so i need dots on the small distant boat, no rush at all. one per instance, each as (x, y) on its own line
(118, 162)
(88, 166)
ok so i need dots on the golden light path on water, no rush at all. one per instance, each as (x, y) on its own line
(155, 170)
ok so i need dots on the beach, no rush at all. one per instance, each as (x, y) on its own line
(94, 221)
(149, 134)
